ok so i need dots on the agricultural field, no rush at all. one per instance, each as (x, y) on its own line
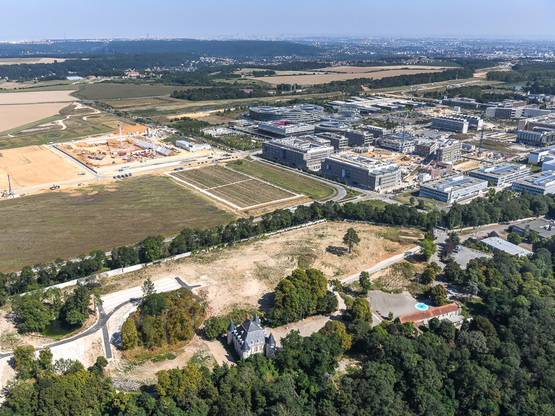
(236, 189)
(115, 91)
(99, 217)
(334, 75)
(285, 179)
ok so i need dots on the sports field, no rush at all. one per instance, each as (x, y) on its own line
(236, 189)
(65, 225)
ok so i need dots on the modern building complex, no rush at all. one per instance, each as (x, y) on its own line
(453, 189)
(344, 115)
(462, 102)
(545, 123)
(284, 128)
(503, 174)
(443, 150)
(455, 124)
(359, 138)
(515, 112)
(300, 152)
(249, 338)
(296, 112)
(376, 131)
(332, 126)
(362, 171)
(338, 141)
(539, 155)
(398, 143)
(369, 105)
(541, 183)
(474, 122)
(192, 147)
(497, 244)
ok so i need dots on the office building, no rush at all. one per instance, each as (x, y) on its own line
(284, 128)
(455, 124)
(345, 115)
(536, 138)
(338, 141)
(296, 112)
(362, 171)
(331, 126)
(299, 152)
(545, 123)
(370, 105)
(443, 150)
(541, 183)
(515, 112)
(376, 131)
(453, 189)
(502, 174)
(398, 143)
(359, 138)
(545, 228)
(538, 156)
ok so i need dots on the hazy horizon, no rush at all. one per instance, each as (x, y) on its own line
(217, 19)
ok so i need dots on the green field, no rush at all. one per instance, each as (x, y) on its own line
(54, 225)
(284, 178)
(110, 90)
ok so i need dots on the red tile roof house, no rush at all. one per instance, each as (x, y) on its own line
(441, 312)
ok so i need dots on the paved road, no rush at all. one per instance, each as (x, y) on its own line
(383, 264)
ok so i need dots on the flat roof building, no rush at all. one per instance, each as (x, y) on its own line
(358, 138)
(453, 189)
(450, 123)
(299, 152)
(295, 112)
(502, 174)
(541, 183)
(443, 150)
(284, 128)
(331, 126)
(362, 171)
(338, 141)
(535, 138)
(369, 105)
(191, 146)
(497, 244)
(544, 228)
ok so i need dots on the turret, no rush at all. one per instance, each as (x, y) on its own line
(256, 320)
(245, 350)
(230, 330)
(270, 347)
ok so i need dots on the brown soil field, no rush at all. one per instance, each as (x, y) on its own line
(325, 78)
(13, 116)
(242, 274)
(36, 97)
(35, 165)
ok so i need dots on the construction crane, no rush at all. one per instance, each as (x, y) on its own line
(481, 142)
(404, 126)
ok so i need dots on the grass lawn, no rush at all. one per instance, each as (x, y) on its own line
(283, 178)
(65, 225)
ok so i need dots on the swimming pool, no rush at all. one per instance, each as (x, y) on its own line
(422, 306)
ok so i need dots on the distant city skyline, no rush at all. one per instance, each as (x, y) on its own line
(59, 19)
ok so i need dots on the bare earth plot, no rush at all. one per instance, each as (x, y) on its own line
(236, 189)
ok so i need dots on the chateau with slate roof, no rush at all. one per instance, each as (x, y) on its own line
(249, 338)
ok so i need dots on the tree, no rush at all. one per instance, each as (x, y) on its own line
(129, 335)
(33, 315)
(453, 272)
(428, 248)
(514, 238)
(412, 200)
(438, 294)
(214, 327)
(75, 309)
(454, 238)
(428, 275)
(351, 238)
(24, 360)
(337, 329)
(360, 310)
(153, 304)
(148, 287)
(364, 282)
(151, 249)
(533, 237)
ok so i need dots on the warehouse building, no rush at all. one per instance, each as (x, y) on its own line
(284, 128)
(503, 174)
(455, 124)
(362, 171)
(191, 146)
(453, 189)
(541, 183)
(296, 112)
(299, 152)
(497, 244)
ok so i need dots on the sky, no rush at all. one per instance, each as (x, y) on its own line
(58, 19)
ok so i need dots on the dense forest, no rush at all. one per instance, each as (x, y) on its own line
(538, 76)
(163, 319)
(218, 93)
(499, 363)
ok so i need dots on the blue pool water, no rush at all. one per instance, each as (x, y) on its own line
(422, 307)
